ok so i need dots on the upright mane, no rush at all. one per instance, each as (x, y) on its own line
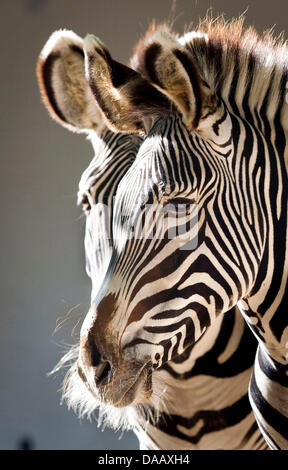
(233, 59)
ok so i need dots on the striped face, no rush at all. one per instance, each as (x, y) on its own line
(149, 211)
(165, 283)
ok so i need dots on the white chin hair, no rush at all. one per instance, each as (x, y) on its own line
(78, 398)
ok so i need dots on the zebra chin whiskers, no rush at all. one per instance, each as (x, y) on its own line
(78, 398)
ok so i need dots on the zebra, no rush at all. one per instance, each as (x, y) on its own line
(217, 353)
(211, 107)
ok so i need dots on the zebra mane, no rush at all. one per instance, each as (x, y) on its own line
(220, 47)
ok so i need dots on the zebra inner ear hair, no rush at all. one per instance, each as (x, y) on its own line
(168, 66)
(171, 69)
(195, 82)
(125, 97)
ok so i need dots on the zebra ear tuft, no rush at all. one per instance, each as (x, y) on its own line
(64, 88)
(171, 69)
(124, 96)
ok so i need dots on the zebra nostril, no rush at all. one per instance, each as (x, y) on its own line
(103, 371)
(95, 356)
(98, 361)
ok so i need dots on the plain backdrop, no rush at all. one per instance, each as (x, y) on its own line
(42, 256)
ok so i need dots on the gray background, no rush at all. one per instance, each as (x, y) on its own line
(42, 256)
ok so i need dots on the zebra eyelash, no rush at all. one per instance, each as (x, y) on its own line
(179, 205)
(179, 200)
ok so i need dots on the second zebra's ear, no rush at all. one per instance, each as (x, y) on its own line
(63, 85)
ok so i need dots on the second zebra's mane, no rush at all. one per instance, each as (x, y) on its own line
(234, 59)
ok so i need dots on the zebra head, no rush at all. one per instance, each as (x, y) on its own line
(172, 269)
(161, 291)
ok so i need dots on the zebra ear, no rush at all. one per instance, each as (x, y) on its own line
(63, 85)
(171, 69)
(124, 96)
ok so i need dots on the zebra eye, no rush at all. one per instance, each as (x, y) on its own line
(85, 204)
